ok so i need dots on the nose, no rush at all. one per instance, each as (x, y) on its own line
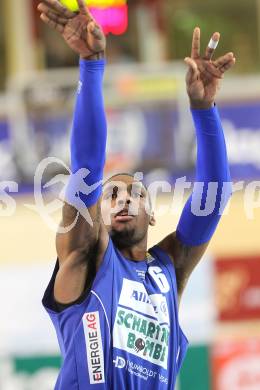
(124, 199)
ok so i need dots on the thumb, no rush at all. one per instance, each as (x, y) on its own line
(193, 72)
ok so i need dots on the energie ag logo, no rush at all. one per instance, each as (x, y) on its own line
(95, 356)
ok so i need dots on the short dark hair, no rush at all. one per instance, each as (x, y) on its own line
(118, 174)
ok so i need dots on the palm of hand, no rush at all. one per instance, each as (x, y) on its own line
(205, 85)
(79, 30)
(80, 39)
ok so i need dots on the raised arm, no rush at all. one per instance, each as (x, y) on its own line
(195, 228)
(88, 145)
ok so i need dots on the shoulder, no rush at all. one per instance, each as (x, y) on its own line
(85, 276)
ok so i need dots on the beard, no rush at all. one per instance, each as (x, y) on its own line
(126, 238)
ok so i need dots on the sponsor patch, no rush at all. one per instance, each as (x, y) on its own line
(94, 348)
(141, 336)
(139, 370)
(134, 296)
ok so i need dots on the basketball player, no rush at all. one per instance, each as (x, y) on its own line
(113, 303)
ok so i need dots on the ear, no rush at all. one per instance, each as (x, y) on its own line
(152, 220)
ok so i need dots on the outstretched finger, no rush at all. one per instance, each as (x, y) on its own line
(44, 9)
(223, 60)
(56, 18)
(83, 9)
(59, 8)
(82, 6)
(55, 25)
(228, 65)
(212, 45)
(193, 72)
(195, 49)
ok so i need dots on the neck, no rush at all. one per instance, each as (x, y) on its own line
(135, 252)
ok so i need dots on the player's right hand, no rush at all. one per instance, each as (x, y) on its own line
(79, 30)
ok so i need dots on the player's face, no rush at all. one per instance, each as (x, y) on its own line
(126, 209)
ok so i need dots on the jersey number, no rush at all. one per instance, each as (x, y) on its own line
(159, 278)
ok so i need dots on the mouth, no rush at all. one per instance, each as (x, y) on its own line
(123, 216)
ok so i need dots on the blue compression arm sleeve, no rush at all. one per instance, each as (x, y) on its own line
(89, 132)
(196, 227)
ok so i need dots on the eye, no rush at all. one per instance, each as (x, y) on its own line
(109, 195)
(137, 195)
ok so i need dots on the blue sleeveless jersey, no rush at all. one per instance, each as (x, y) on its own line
(126, 333)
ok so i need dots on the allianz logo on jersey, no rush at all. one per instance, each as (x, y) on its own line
(134, 296)
(141, 296)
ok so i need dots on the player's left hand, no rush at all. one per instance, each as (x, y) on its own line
(204, 75)
(79, 29)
